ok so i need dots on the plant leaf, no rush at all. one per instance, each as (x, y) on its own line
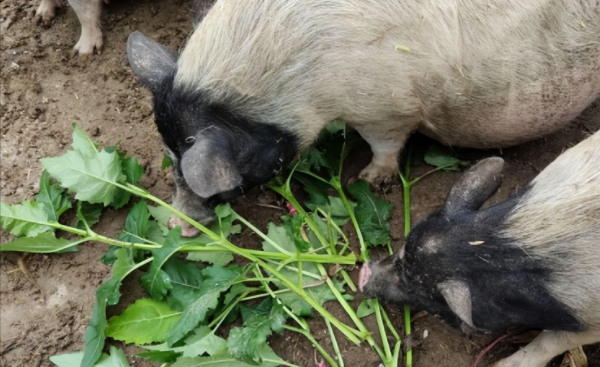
(440, 156)
(156, 281)
(107, 294)
(116, 359)
(136, 224)
(217, 281)
(219, 258)
(145, 321)
(91, 175)
(186, 282)
(88, 213)
(321, 294)
(26, 219)
(372, 213)
(202, 340)
(44, 243)
(365, 308)
(269, 359)
(52, 198)
(159, 356)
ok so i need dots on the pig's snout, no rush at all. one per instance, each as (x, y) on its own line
(187, 230)
(363, 276)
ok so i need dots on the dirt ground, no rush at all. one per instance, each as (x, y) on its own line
(45, 90)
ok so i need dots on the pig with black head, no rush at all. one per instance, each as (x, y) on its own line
(259, 79)
(532, 260)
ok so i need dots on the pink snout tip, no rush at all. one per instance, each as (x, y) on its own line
(363, 276)
(186, 229)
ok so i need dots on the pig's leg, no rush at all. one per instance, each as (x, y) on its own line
(47, 10)
(546, 346)
(386, 146)
(88, 12)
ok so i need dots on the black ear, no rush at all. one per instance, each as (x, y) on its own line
(209, 168)
(475, 186)
(150, 60)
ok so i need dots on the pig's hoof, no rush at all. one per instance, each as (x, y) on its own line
(88, 42)
(378, 176)
(47, 10)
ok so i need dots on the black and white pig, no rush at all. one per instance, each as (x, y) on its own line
(532, 260)
(259, 79)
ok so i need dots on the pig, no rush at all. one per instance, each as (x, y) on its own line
(88, 12)
(532, 260)
(259, 79)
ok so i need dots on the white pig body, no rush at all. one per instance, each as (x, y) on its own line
(482, 73)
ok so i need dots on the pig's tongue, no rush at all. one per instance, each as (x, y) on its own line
(363, 276)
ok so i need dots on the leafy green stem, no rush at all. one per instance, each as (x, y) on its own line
(314, 342)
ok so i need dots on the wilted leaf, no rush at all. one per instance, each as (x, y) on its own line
(365, 308)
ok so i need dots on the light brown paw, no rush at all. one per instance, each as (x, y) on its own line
(378, 176)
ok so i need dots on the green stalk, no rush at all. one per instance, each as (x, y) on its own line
(406, 193)
(334, 343)
(364, 252)
(352, 334)
(383, 334)
(306, 331)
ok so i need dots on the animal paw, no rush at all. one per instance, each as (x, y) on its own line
(378, 176)
(47, 10)
(90, 40)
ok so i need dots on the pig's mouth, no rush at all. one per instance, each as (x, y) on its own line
(363, 276)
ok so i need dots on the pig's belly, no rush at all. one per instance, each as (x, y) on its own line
(507, 120)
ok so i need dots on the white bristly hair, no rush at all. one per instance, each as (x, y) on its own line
(558, 223)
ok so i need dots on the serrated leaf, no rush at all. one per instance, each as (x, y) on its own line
(88, 213)
(107, 294)
(132, 169)
(136, 224)
(372, 213)
(186, 282)
(43, 244)
(219, 280)
(26, 219)
(203, 340)
(156, 281)
(439, 156)
(146, 321)
(52, 198)
(269, 359)
(365, 308)
(84, 171)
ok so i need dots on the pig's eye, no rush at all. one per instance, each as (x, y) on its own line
(190, 139)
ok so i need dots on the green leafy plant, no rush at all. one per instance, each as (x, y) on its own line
(301, 265)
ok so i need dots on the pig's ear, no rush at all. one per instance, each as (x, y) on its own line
(458, 297)
(209, 168)
(150, 60)
(475, 186)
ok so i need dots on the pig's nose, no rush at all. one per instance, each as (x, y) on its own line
(186, 229)
(363, 276)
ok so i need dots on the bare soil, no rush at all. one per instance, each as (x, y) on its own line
(45, 90)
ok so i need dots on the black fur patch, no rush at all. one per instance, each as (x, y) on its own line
(259, 150)
(508, 287)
